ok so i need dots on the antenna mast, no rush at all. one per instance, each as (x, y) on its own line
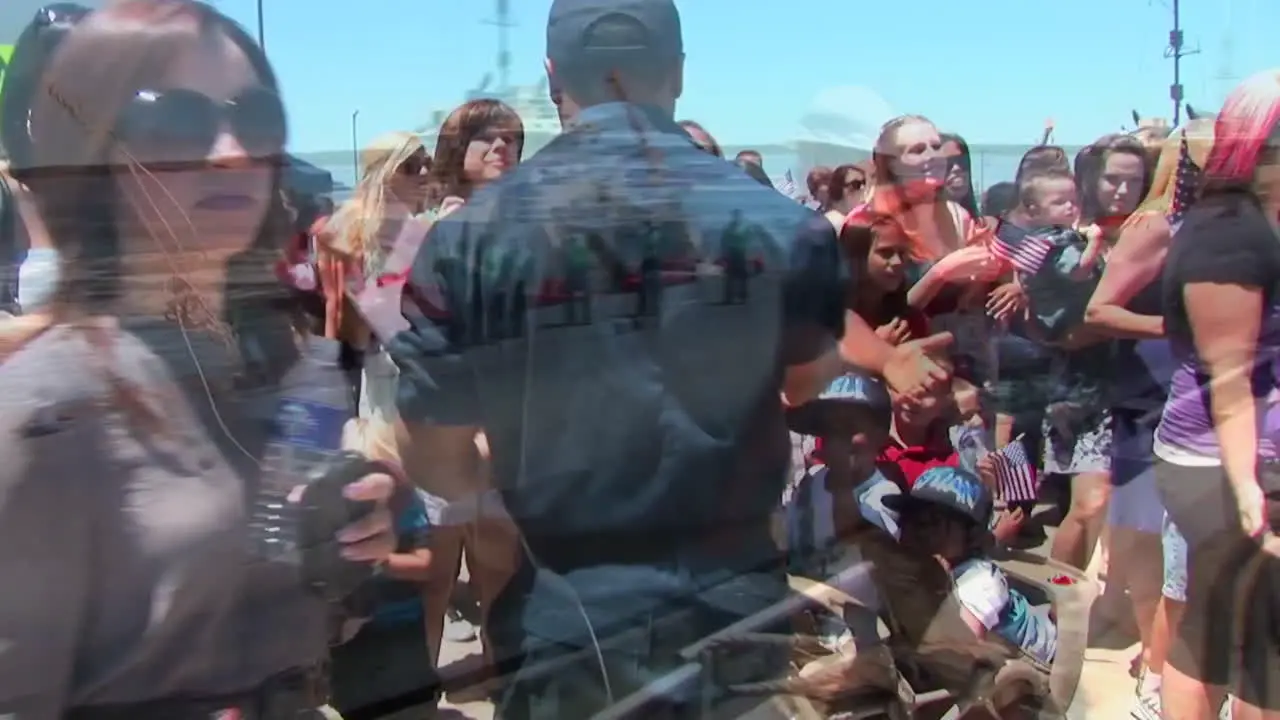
(504, 24)
(1226, 73)
(1176, 52)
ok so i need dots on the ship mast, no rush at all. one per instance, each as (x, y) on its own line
(503, 22)
(1176, 52)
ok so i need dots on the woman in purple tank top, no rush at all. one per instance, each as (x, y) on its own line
(1217, 471)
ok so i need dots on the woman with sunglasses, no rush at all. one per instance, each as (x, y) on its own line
(846, 190)
(478, 143)
(959, 182)
(134, 583)
(392, 188)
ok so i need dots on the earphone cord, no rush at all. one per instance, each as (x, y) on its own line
(179, 312)
(521, 476)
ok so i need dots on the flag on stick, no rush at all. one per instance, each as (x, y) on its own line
(787, 185)
(1015, 474)
(1026, 255)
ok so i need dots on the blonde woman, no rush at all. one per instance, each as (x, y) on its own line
(384, 655)
(392, 188)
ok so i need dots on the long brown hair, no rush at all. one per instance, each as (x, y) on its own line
(857, 237)
(1088, 167)
(109, 58)
(461, 127)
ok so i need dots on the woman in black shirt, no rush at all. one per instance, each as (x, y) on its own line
(1218, 433)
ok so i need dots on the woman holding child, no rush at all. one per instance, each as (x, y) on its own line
(1111, 177)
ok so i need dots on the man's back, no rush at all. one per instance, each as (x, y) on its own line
(620, 304)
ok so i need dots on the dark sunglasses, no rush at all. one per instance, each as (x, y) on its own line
(183, 125)
(63, 15)
(414, 166)
(855, 184)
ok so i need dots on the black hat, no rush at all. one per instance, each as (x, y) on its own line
(646, 31)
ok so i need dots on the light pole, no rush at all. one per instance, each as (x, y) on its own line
(262, 35)
(355, 148)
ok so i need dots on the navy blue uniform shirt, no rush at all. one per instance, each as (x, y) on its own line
(617, 313)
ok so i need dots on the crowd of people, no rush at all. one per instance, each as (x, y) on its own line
(627, 381)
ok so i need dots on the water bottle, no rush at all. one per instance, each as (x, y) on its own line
(299, 505)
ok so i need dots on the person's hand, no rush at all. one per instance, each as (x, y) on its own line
(1009, 524)
(1006, 301)
(894, 332)
(969, 265)
(371, 538)
(919, 367)
(1251, 508)
(986, 468)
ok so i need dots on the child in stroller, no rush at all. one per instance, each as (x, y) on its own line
(947, 515)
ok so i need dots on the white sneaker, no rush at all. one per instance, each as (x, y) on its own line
(1146, 707)
(1224, 713)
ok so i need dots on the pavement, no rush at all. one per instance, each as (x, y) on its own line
(1106, 690)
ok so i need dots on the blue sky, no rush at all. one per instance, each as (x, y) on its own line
(992, 70)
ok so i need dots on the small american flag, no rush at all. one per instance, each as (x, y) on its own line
(1015, 475)
(1185, 186)
(787, 185)
(1026, 255)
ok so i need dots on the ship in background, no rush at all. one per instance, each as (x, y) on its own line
(531, 102)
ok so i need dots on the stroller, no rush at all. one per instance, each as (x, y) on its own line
(911, 654)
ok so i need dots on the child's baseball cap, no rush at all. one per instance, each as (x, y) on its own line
(852, 403)
(955, 489)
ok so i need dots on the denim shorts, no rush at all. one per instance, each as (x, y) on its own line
(1073, 446)
(1175, 561)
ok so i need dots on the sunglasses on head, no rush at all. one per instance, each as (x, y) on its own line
(182, 126)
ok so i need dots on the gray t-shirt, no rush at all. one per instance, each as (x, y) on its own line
(124, 568)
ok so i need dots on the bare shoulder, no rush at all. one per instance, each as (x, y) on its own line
(1142, 234)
